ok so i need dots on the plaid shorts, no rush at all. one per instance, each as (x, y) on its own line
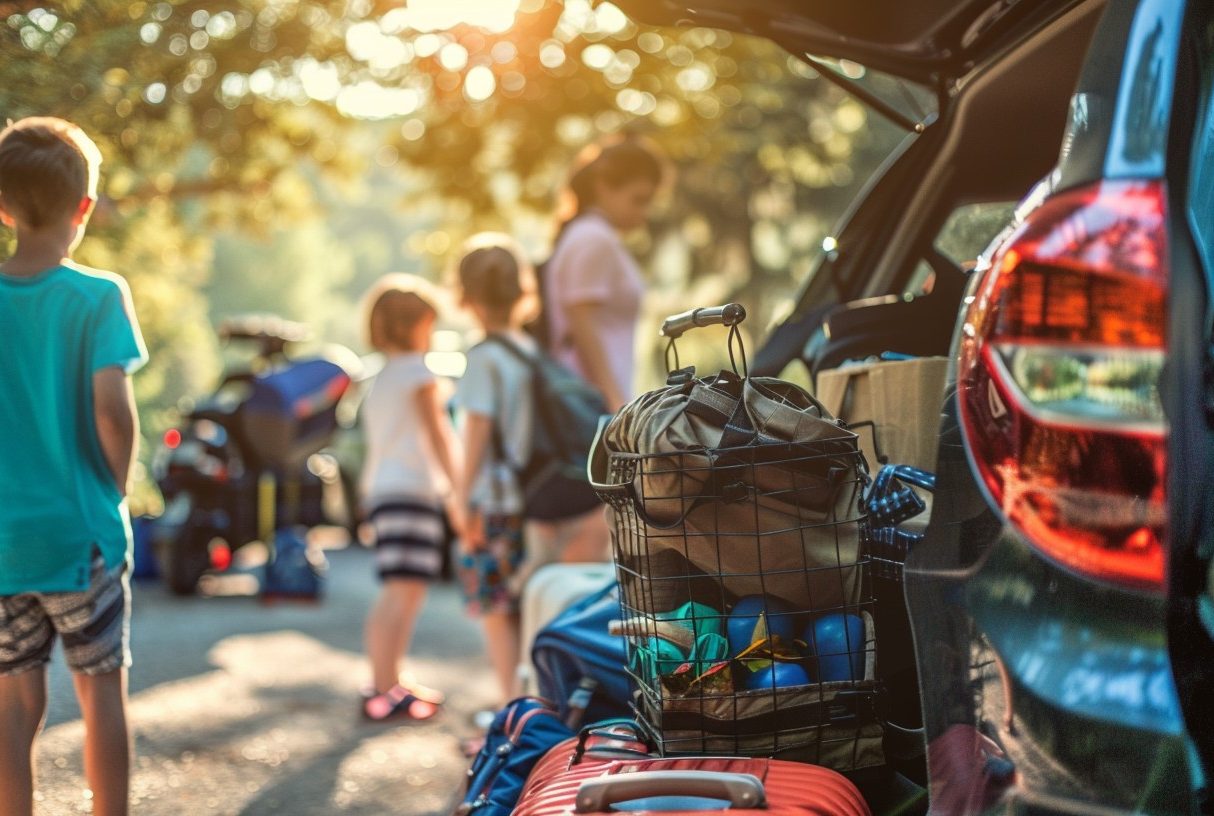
(94, 625)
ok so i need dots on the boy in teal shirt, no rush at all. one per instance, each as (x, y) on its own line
(68, 343)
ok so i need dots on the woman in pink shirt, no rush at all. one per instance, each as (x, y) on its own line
(592, 299)
(592, 285)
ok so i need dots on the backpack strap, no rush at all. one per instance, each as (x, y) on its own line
(496, 438)
(532, 362)
(512, 347)
(495, 434)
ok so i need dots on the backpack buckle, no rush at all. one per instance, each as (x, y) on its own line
(681, 376)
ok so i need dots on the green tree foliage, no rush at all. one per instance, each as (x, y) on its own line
(302, 271)
(217, 117)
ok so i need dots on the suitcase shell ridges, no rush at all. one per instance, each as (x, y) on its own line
(792, 788)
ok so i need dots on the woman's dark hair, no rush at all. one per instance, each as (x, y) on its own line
(616, 161)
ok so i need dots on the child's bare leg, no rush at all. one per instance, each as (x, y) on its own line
(389, 631)
(22, 710)
(502, 643)
(107, 742)
(389, 628)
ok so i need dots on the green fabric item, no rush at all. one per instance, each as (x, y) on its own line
(699, 618)
(58, 500)
(657, 657)
(710, 648)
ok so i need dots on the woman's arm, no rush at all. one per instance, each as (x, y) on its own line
(587, 344)
(445, 444)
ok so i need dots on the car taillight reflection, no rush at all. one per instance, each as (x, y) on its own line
(1060, 358)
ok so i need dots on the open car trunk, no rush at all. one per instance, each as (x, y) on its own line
(929, 41)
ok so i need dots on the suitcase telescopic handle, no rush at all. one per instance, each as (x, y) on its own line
(731, 314)
(740, 790)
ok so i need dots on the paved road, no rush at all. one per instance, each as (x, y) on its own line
(239, 708)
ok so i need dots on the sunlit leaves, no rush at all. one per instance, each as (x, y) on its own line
(43, 31)
(214, 108)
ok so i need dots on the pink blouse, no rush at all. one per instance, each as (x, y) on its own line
(591, 265)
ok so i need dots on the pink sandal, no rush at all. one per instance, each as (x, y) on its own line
(398, 702)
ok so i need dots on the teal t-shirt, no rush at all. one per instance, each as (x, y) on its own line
(58, 499)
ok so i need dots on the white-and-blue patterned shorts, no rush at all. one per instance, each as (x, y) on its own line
(94, 625)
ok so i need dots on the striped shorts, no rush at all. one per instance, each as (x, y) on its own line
(410, 535)
(94, 625)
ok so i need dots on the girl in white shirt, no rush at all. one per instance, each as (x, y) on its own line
(407, 482)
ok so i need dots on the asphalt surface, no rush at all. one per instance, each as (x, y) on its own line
(242, 708)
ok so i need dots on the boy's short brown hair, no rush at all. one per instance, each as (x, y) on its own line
(394, 306)
(47, 167)
(494, 273)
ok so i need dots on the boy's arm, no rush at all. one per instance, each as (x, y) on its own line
(117, 422)
(478, 429)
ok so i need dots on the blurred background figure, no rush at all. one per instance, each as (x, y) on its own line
(494, 396)
(407, 483)
(593, 291)
(593, 286)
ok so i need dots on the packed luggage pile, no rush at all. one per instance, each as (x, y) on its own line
(745, 620)
(745, 603)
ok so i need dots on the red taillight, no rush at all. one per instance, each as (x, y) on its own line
(221, 556)
(172, 438)
(1060, 358)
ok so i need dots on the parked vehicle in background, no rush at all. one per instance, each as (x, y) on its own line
(250, 458)
(1060, 599)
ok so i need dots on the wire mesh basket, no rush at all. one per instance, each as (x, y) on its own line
(745, 599)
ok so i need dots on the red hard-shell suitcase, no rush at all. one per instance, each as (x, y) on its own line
(605, 775)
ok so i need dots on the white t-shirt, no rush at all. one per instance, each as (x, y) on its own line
(497, 384)
(400, 458)
(590, 264)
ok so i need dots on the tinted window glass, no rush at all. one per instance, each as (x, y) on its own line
(971, 228)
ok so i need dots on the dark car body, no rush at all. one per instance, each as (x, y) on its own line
(1060, 677)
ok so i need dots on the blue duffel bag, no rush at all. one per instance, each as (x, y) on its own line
(576, 650)
(520, 735)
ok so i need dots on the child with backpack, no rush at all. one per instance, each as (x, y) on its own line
(525, 425)
(495, 400)
(407, 486)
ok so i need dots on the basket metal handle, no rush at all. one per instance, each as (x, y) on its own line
(596, 464)
(740, 790)
(731, 314)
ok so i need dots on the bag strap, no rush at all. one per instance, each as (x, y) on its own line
(540, 406)
(717, 404)
(496, 437)
(509, 345)
(838, 401)
(604, 728)
(890, 501)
